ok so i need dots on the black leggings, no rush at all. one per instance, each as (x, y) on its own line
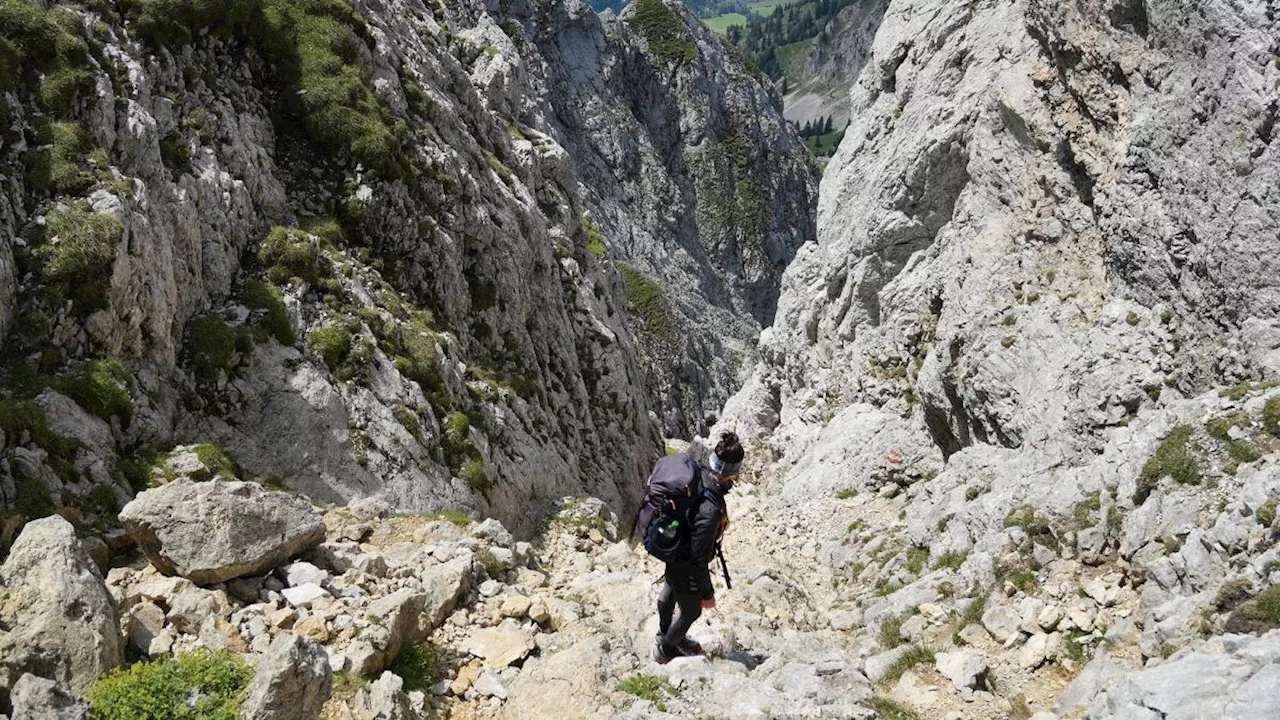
(690, 609)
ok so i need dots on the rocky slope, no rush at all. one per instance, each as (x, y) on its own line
(374, 251)
(1040, 320)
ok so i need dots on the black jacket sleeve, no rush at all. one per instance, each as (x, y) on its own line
(706, 533)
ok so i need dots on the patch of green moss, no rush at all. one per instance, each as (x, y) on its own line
(197, 686)
(408, 419)
(211, 347)
(79, 252)
(1244, 389)
(312, 46)
(1086, 511)
(886, 709)
(1036, 527)
(664, 30)
(1271, 416)
(501, 170)
(54, 168)
(291, 253)
(218, 462)
(649, 302)
(332, 343)
(101, 387)
(1266, 514)
(1175, 457)
(275, 319)
(595, 239)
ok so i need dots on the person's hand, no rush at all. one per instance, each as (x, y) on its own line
(708, 604)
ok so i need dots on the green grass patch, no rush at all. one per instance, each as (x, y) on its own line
(54, 168)
(1035, 526)
(891, 631)
(218, 462)
(79, 252)
(419, 665)
(720, 23)
(653, 688)
(408, 419)
(1086, 511)
(457, 517)
(1232, 594)
(197, 686)
(663, 28)
(973, 611)
(917, 558)
(291, 253)
(1271, 416)
(649, 302)
(1267, 513)
(474, 475)
(847, 494)
(332, 344)
(1244, 389)
(595, 239)
(887, 709)
(274, 319)
(1258, 615)
(492, 566)
(1176, 457)
(100, 387)
(951, 560)
(915, 655)
(211, 346)
(1220, 428)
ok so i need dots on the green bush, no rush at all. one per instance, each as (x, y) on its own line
(418, 664)
(407, 418)
(35, 40)
(61, 87)
(1036, 527)
(973, 611)
(218, 462)
(648, 301)
(102, 388)
(1175, 457)
(79, 252)
(175, 154)
(290, 253)
(1271, 416)
(211, 346)
(261, 296)
(197, 686)
(1258, 615)
(1086, 511)
(332, 343)
(663, 28)
(473, 474)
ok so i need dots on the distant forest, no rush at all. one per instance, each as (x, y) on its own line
(764, 36)
(701, 8)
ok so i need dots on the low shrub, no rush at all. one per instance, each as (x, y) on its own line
(101, 387)
(275, 319)
(1176, 458)
(1271, 416)
(915, 655)
(653, 688)
(199, 685)
(418, 664)
(332, 343)
(210, 347)
(291, 253)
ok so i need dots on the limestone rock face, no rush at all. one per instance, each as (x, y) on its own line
(35, 698)
(211, 532)
(60, 623)
(293, 680)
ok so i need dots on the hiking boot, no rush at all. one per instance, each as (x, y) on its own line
(689, 646)
(657, 654)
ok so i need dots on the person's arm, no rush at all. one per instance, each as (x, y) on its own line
(706, 526)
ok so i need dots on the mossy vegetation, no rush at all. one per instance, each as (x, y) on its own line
(79, 251)
(595, 239)
(199, 685)
(101, 387)
(1035, 526)
(887, 709)
(951, 560)
(653, 688)
(332, 344)
(419, 664)
(211, 347)
(274, 320)
(1258, 615)
(648, 302)
(1086, 511)
(1175, 457)
(312, 46)
(1271, 416)
(461, 454)
(663, 28)
(915, 655)
(891, 631)
(973, 611)
(291, 253)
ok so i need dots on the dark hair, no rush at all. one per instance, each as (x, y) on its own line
(729, 449)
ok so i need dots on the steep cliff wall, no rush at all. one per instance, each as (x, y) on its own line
(358, 249)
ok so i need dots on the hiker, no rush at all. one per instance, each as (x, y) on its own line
(687, 581)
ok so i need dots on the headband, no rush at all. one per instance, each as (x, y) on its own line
(720, 467)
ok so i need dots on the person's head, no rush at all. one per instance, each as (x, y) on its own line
(726, 460)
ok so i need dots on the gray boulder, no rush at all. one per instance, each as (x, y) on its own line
(293, 680)
(211, 532)
(58, 618)
(35, 698)
(384, 699)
